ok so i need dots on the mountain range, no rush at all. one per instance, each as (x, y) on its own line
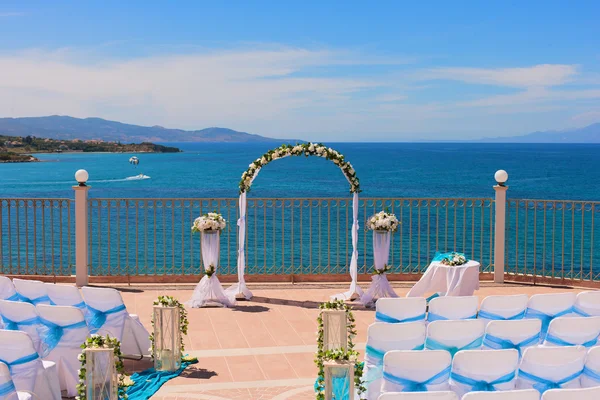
(588, 134)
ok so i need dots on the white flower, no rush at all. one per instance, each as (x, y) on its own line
(263, 161)
(311, 148)
(274, 156)
(320, 150)
(80, 357)
(336, 161)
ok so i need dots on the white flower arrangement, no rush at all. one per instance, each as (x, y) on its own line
(383, 221)
(209, 222)
(454, 259)
(303, 149)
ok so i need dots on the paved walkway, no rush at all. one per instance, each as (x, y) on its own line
(264, 348)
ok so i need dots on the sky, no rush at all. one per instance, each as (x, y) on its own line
(315, 70)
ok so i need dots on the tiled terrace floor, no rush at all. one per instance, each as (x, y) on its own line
(264, 348)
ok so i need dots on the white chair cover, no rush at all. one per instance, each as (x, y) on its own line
(125, 327)
(573, 331)
(65, 354)
(453, 307)
(28, 372)
(504, 395)
(544, 368)
(414, 371)
(22, 317)
(591, 371)
(398, 310)
(383, 337)
(454, 336)
(572, 394)
(65, 295)
(419, 396)
(587, 304)
(7, 289)
(549, 306)
(510, 307)
(513, 334)
(484, 370)
(33, 292)
(7, 387)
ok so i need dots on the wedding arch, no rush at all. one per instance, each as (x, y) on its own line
(305, 149)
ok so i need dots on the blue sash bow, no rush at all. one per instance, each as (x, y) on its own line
(14, 297)
(489, 315)
(35, 301)
(436, 317)
(546, 318)
(51, 333)
(560, 342)
(482, 386)
(590, 373)
(11, 325)
(78, 305)
(7, 388)
(379, 316)
(579, 311)
(96, 318)
(414, 386)
(543, 384)
(497, 343)
(22, 360)
(432, 344)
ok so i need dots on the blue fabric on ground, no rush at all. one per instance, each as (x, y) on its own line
(147, 383)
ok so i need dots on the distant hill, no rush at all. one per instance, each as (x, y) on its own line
(589, 134)
(64, 127)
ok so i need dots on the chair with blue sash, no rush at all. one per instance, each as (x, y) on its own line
(572, 394)
(29, 373)
(65, 295)
(544, 368)
(7, 289)
(8, 391)
(573, 331)
(452, 308)
(383, 337)
(503, 308)
(400, 309)
(441, 395)
(416, 371)
(18, 316)
(63, 331)
(454, 336)
(591, 370)
(527, 394)
(587, 304)
(512, 334)
(484, 371)
(107, 314)
(31, 291)
(548, 306)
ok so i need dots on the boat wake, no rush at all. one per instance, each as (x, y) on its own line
(137, 177)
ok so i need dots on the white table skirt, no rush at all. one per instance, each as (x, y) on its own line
(460, 280)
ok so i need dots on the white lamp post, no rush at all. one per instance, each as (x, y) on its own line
(81, 228)
(501, 177)
(82, 176)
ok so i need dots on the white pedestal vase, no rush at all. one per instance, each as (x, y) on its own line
(209, 291)
(380, 287)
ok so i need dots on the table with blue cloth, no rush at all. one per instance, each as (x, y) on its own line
(460, 280)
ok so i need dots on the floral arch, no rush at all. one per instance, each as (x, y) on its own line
(305, 149)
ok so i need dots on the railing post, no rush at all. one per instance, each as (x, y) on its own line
(500, 225)
(81, 228)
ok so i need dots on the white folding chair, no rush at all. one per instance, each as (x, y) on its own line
(573, 331)
(383, 337)
(30, 291)
(419, 396)
(29, 373)
(591, 370)
(7, 386)
(548, 306)
(572, 394)
(544, 368)
(511, 307)
(527, 394)
(65, 295)
(454, 336)
(400, 309)
(107, 314)
(587, 304)
(515, 334)
(484, 370)
(18, 316)
(7, 290)
(416, 371)
(63, 349)
(452, 307)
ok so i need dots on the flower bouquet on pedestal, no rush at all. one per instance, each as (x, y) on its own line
(209, 291)
(383, 224)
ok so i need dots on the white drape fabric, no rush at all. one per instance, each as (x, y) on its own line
(354, 290)
(240, 287)
(209, 290)
(381, 248)
(461, 280)
(380, 286)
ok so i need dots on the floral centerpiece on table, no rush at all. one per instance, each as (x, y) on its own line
(211, 222)
(383, 221)
(454, 259)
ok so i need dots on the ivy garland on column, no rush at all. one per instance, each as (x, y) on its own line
(349, 354)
